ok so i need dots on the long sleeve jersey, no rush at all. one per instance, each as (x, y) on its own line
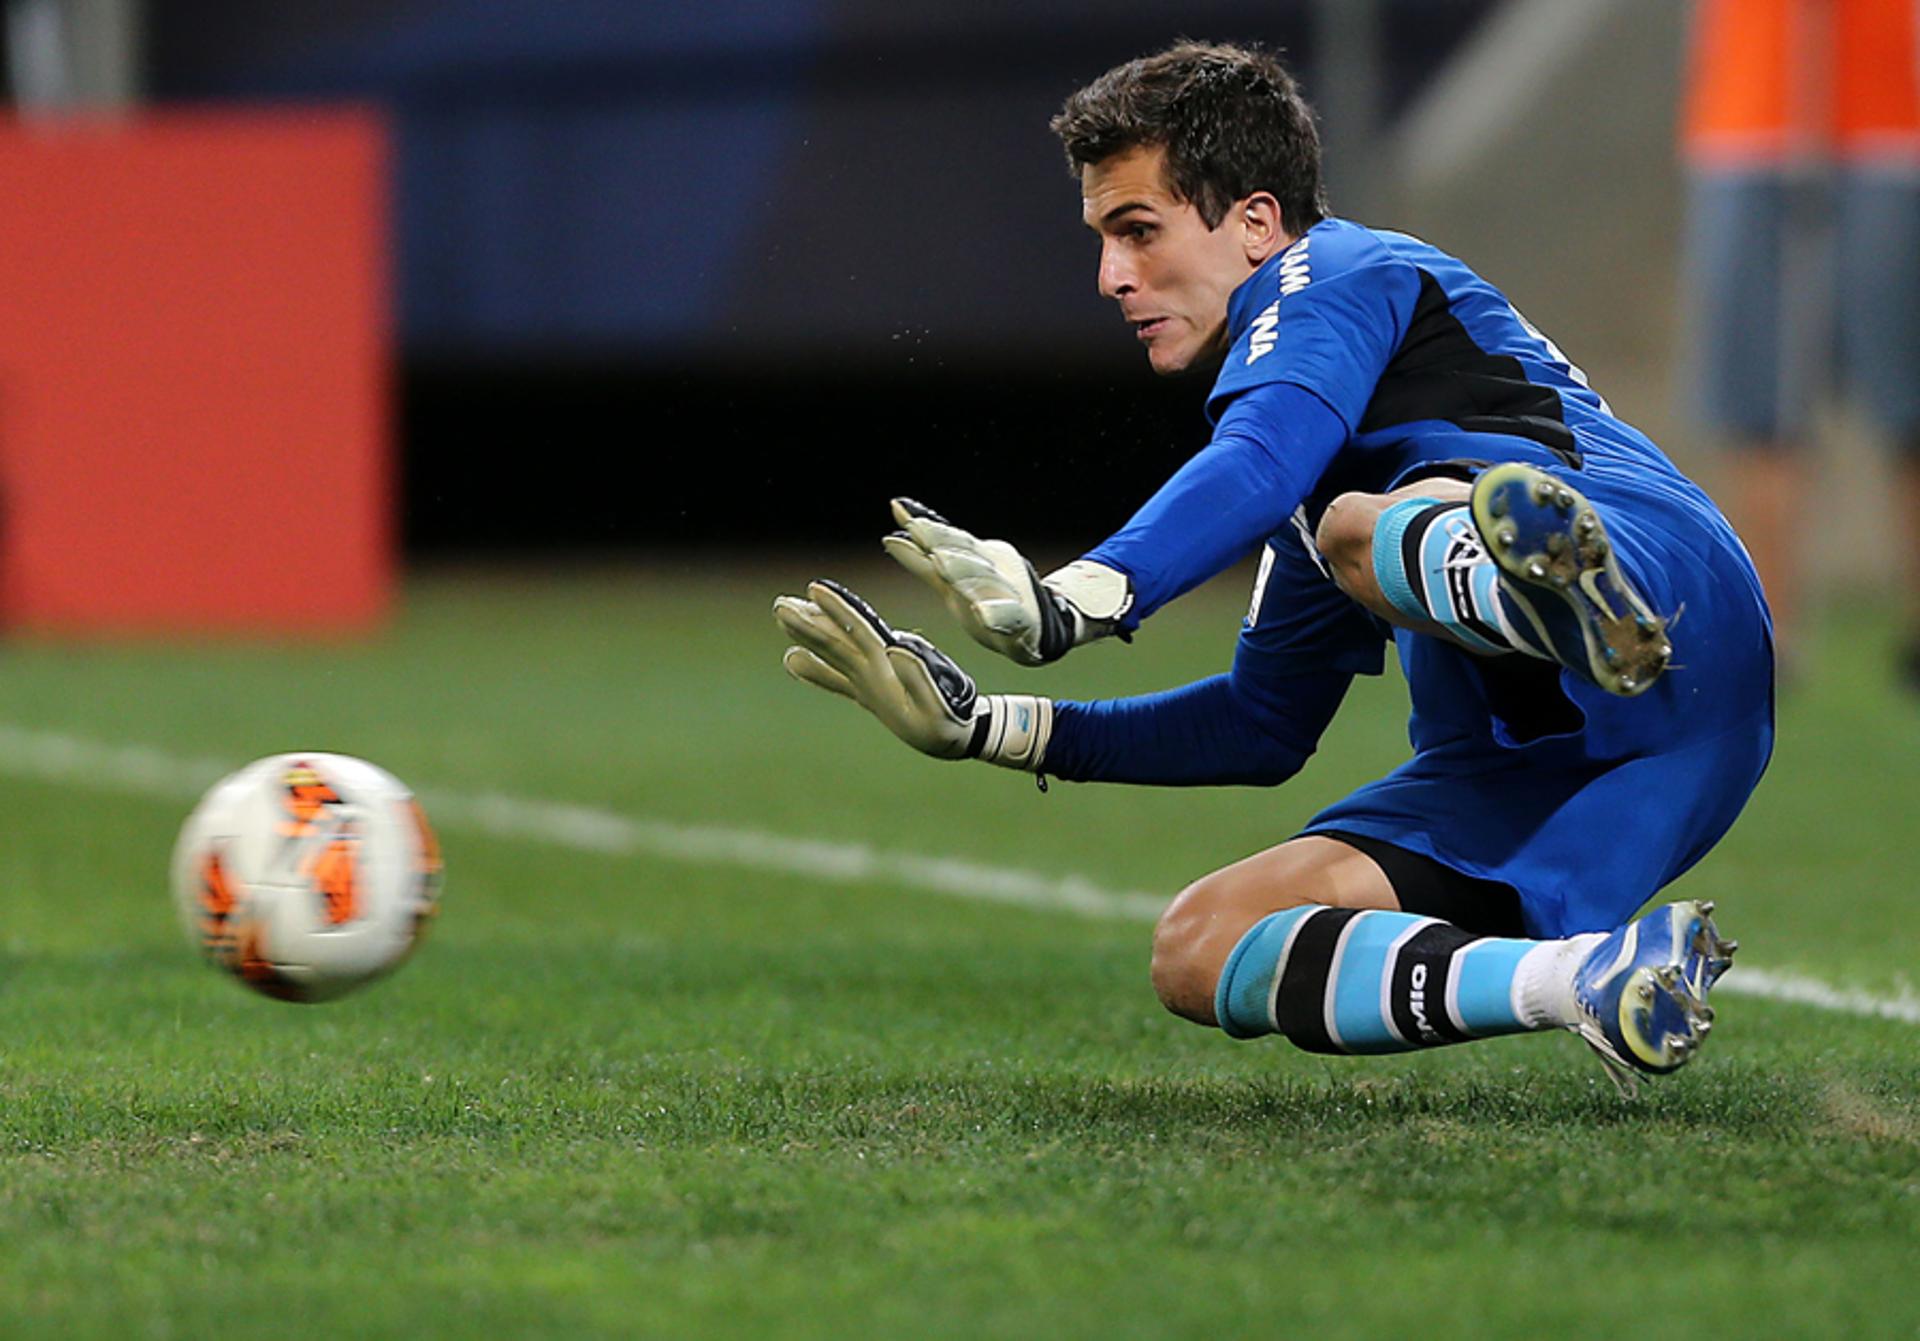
(1356, 358)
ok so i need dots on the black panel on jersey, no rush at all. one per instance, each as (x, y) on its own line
(1440, 373)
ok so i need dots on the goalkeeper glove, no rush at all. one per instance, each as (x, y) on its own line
(914, 688)
(996, 595)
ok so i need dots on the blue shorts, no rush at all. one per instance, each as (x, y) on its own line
(1802, 285)
(1597, 802)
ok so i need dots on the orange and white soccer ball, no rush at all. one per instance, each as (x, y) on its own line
(307, 875)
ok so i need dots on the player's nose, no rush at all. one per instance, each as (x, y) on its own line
(1116, 278)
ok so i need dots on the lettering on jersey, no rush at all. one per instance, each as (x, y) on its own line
(1265, 327)
(1295, 272)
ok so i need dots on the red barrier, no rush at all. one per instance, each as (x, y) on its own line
(194, 362)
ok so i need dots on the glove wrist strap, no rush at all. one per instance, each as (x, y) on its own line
(1012, 730)
(1096, 597)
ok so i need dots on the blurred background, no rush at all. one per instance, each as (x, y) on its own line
(386, 281)
(510, 355)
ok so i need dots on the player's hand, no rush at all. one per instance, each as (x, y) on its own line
(996, 595)
(915, 689)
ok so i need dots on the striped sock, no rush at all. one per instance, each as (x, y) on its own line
(1431, 565)
(1347, 980)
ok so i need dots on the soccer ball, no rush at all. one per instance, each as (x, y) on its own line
(306, 875)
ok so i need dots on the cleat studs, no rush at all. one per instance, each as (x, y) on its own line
(1536, 569)
(1586, 524)
(1557, 543)
(1563, 499)
(1628, 684)
(1497, 505)
(1644, 990)
(1506, 537)
(1543, 491)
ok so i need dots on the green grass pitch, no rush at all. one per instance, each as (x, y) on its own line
(620, 1094)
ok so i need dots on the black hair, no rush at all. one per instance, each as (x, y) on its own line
(1230, 118)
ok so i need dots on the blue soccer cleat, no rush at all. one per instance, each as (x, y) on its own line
(1548, 541)
(1642, 992)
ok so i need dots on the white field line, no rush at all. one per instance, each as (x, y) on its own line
(1801, 990)
(47, 756)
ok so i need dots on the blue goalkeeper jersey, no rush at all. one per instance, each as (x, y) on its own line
(1359, 359)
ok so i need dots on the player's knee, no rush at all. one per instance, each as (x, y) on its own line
(1191, 945)
(1345, 539)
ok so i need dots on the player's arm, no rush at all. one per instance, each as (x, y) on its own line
(1271, 444)
(1299, 649)
(1269, 448)
(1225, 730)
(1249, 726)
(1218, 730)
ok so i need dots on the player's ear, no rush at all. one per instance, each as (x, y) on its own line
(1262, 226)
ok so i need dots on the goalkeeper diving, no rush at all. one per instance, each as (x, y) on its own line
(1419, 467)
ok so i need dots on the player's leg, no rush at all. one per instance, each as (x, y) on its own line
(1517, 562)
(1315, 940)
(1412, 557)
(1561, 578)
(1200, 928)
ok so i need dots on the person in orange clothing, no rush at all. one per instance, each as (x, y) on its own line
(1801, 136)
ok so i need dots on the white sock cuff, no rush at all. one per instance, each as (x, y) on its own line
(1543, 981)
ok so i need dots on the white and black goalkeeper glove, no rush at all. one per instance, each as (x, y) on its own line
(913, 687)
(996, 595)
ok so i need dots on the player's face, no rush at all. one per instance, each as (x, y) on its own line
(1170, 273)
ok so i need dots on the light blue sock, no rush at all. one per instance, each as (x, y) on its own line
(1347, 980)
(1431, 566)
